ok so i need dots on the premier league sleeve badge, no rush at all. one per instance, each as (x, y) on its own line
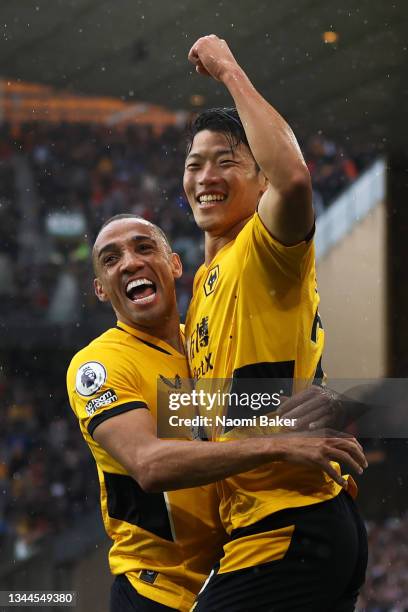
(90, 378)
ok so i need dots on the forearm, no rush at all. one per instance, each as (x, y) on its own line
(169, 465)
(353, 411)
(271, 139)
(163, 465)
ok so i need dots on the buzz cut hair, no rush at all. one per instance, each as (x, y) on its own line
(162, 236)
(222, 120)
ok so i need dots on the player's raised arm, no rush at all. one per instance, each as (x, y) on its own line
(162, 465)
(286, 206)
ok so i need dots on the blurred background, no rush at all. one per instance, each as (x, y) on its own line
(94, 101)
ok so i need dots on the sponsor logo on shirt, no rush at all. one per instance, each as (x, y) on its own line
(167, 381)
(104, 399)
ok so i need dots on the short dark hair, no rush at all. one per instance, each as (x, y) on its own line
(133, 216)
(120, 216)
(223, 120)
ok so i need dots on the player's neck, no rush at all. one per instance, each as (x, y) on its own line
(167, 330)
(215, 241)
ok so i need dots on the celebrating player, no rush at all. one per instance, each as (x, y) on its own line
(297, 541)
(164, 543)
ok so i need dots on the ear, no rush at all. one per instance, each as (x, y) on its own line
(99, 291)
(176, 265)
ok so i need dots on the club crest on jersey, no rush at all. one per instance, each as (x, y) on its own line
(90, 378)
(211, 280)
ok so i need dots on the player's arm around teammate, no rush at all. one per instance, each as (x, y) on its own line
(112, 386)
(131, 252)
(286, 205)
(162, 465)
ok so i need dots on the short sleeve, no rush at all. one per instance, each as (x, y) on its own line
(266, 251)
(100, 386)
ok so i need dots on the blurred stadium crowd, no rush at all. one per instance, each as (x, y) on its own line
(47, 475)
(387, 576)
(57, 185)
(60, 182)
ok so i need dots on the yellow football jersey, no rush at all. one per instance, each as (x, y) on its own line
(253, 315)
(165, 543)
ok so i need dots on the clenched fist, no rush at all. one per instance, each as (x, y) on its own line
(212, 57)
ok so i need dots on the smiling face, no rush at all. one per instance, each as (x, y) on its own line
(136, 272)
(222, 183)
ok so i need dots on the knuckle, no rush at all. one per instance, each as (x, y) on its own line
(317, 456)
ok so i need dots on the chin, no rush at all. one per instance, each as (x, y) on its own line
(205, 226)
(146, 316)
(208, 224)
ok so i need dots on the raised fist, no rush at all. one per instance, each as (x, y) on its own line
(212, 57)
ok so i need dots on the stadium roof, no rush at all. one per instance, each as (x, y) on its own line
(137, 49)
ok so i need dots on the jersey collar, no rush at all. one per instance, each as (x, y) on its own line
(157, 343)
(214, 259)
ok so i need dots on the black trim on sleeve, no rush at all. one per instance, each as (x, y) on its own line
(107, 414)
(307, 238)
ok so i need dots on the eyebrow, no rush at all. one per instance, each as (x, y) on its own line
(113, 246)
(217, 154)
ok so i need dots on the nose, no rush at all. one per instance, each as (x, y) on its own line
(131, 261)
(208, 174)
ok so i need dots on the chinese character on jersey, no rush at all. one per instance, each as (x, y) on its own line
(203, 331)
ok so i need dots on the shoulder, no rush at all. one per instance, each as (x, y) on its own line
(91, 351)
(261, 241)
(99, 360)
(104, 378)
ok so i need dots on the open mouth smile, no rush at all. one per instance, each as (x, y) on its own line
(141, 291)
(210, 199)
